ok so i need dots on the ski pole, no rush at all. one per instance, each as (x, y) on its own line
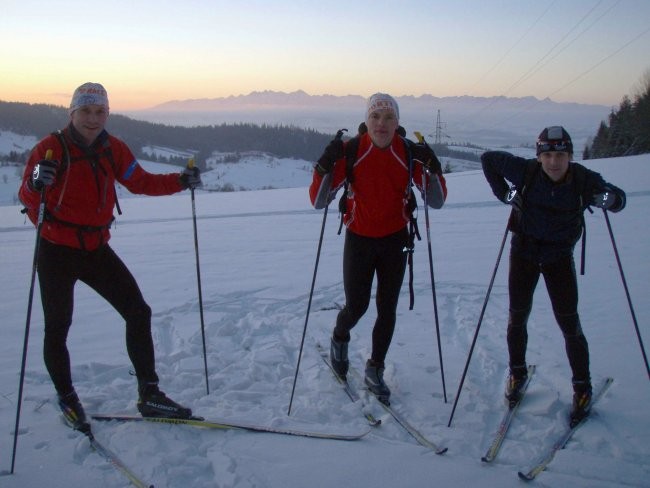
(30, 300)
(627, 292)
(478, 326)
(190, 165)
(433, 281)
(339, 134)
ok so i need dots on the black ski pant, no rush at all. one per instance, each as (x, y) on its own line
(59, 268)
(363, 257)
(562, 286)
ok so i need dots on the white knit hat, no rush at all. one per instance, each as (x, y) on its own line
(89, 94)
(381, 101)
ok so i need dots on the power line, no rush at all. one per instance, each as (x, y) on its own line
(573, 40)
(548, 53)
(601, 61)
(530, 28)
(635, 38)
(538, 65)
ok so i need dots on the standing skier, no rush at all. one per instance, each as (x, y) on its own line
(77, 187)
(549, 197)
(378, 176)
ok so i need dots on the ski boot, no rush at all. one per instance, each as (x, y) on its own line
(375, 381)
(516, 381)
(339, 357)
(581, 402)
(73, 412)
(154, 403)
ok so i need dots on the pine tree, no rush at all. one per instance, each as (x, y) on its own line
(628, 131)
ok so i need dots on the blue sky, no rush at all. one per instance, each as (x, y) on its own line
(148, 52)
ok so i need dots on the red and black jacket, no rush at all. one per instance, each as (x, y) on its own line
(79, 205)
(378, 197)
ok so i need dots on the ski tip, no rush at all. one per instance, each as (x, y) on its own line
(441, 451)
(524, 476)
(486, 459)
(372, 420)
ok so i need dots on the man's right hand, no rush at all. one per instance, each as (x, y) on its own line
(513, 198)
(44, 174)
(333, 151)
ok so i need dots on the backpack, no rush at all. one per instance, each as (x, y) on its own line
(579, 178)
(94, 162)
(106, 150)
(351, 149)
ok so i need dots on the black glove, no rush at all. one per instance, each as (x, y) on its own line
(44, 174)
(423, 153)
(513, 198)
(191, 177)
(608, 200)
(333, 151)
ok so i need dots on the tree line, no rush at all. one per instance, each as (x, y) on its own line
(282, 141)
(627, 131)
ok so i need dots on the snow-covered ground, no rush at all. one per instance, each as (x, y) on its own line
(252, 171)
(257, 255)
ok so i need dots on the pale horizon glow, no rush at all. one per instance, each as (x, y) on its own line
(147, 53)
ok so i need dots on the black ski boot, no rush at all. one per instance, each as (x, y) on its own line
(516, 381)
(73, 412)
(581, 402)
(339, 357)
(375, 381)
(154, 403)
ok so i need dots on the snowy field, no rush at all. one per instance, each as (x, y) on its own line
(253, 171)
(257, 255)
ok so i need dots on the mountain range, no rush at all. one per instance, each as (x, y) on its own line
(479, 120)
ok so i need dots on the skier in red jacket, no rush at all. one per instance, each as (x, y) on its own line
(376, 216)
(77, 184)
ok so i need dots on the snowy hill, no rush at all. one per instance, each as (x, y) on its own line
(251, 171)
(257, 255)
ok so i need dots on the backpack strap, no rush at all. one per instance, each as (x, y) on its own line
(351, 149)
(579, 184)
(414, 231)
(66, 163)
(111, 160)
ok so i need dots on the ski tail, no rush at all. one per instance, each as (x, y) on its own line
(349, 391)
(564, 438)
(401, 420)
(116, 462)
(504, 425)
(108, 455)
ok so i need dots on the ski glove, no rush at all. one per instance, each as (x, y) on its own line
(191, 178)
(44, 174)
(424, 154)
(513, 198)
(608, 200)
(333, 151)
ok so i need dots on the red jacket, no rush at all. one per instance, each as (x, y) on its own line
(79, 205)
(377, 199)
